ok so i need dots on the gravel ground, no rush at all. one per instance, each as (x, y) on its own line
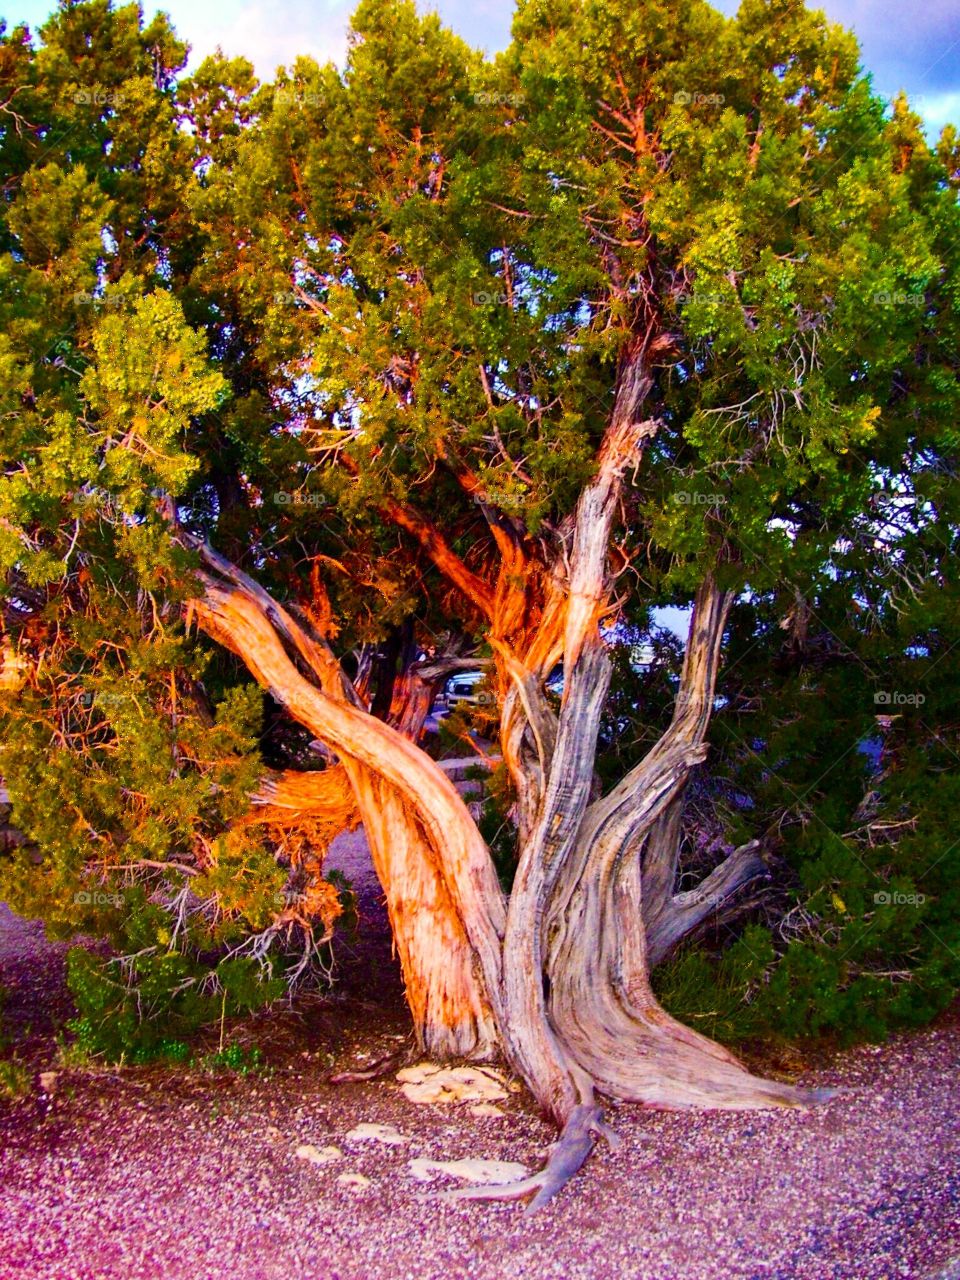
(193, 1177)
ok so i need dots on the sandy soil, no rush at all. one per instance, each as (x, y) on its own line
(192, 1176)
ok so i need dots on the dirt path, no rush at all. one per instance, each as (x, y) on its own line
(193, 1177)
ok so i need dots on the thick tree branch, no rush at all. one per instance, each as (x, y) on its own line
(441, 554)
(436, 547)
(681, 914)
(237, 612)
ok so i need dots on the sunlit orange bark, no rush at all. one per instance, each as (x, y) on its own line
(444, 901)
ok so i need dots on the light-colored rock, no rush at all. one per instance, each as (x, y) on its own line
(427, 1082)
(376, 1133)
(318, 1155)
(355, 1180)
(492, 1172)
(485, 1110)
(48, 1082)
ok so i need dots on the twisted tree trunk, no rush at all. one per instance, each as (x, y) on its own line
(443, 898)
(557, 979)
(598, 963)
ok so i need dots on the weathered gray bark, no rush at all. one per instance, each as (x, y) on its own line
(675, 917)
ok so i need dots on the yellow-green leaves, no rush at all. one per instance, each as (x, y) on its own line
(58, 219)
(244, 878)
(149, 379)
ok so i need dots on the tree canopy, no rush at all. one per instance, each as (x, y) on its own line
(315, 390)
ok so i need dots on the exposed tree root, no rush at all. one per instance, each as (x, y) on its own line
(384, 1066)
(567, 1157)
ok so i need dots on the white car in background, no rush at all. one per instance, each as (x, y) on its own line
(462, 687)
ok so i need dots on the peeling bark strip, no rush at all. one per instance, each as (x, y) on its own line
(445, 993)
(292, 793)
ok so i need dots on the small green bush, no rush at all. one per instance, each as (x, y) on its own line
(235, 1057)
(166, 1000)
(14, 1080)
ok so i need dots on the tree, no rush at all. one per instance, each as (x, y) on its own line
(499, 356)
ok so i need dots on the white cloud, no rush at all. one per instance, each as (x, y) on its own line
(939, 109)
(270, 33)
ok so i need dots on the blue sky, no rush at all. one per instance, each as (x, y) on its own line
(914, 46)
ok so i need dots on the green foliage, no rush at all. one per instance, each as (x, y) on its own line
(811, 989)
(349, 918)
(15, 1080)
(722, 998)
(72, 1055)
(267, 312)
(156, 782)
(237, 1058)
(162, 1001)
(854, 796)
(497, 798)
(148, 380)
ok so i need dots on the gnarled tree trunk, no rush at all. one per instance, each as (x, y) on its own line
(557, 979)
(443, 898)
